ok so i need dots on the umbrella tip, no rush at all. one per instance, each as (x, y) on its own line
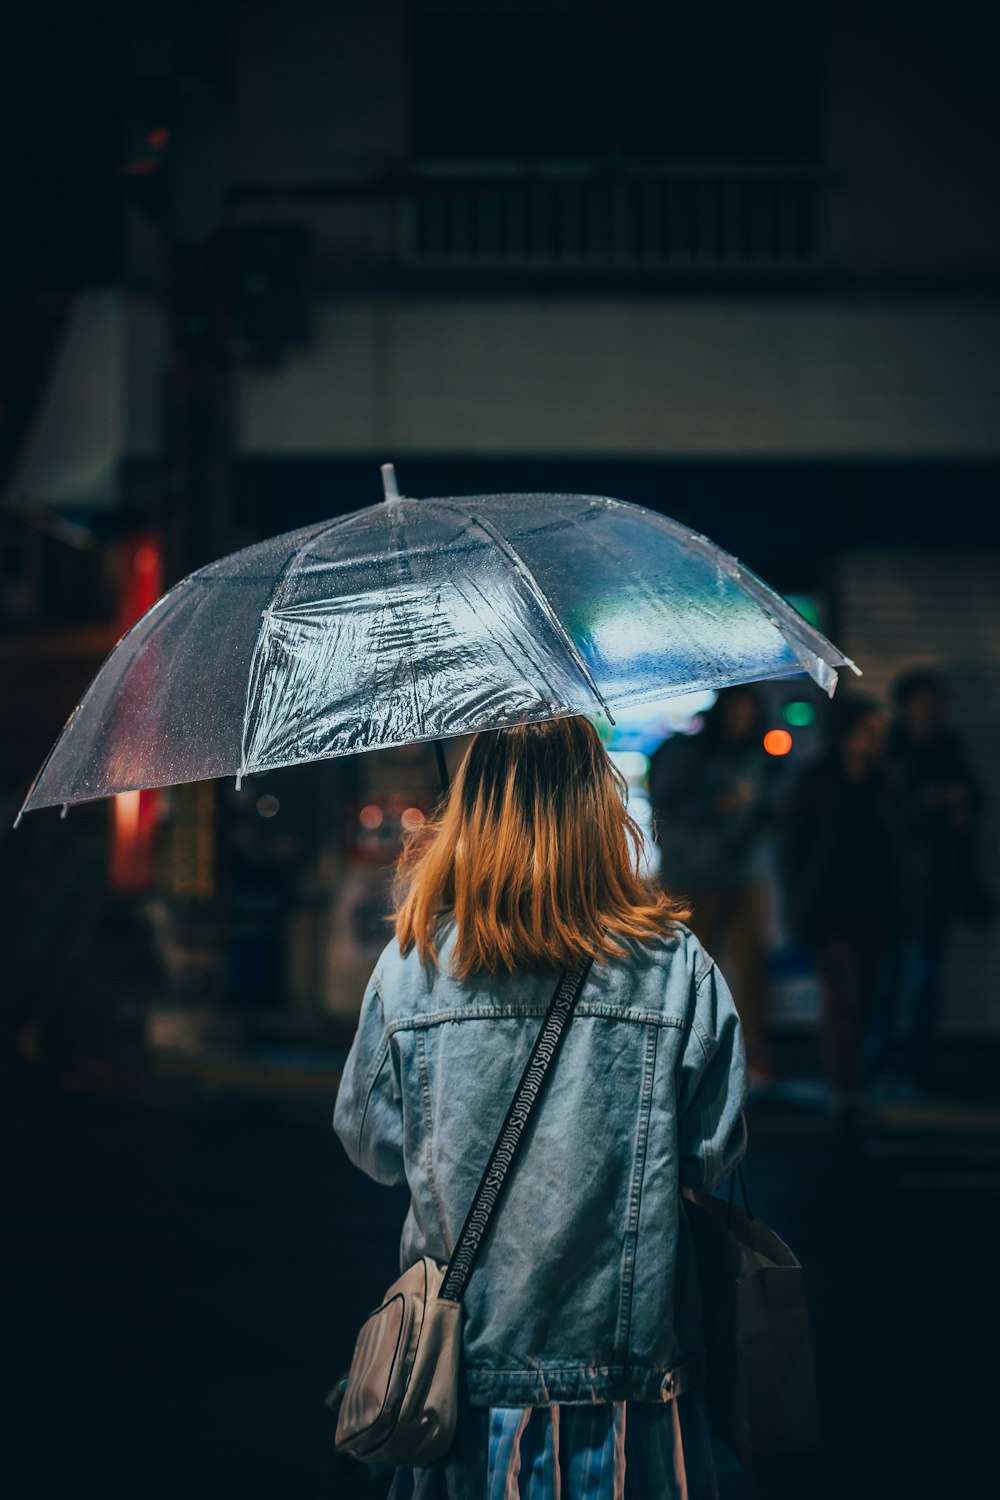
(389, 484)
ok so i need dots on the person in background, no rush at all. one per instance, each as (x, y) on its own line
(842, 887)
(712, 796)
(937, 805)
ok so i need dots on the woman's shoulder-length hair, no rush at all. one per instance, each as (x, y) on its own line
(533, 856)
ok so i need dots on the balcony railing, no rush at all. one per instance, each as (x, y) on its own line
(701, 219)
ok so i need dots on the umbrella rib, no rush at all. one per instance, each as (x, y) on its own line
(539, 665)
(406, 573)
(519, 565)
(278, 583)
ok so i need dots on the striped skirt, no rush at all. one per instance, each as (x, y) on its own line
(624, 1451)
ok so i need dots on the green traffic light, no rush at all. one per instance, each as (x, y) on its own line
(799, 714)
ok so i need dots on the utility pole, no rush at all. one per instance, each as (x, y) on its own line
(180, 203)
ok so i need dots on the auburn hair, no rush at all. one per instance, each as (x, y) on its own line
(533, 855)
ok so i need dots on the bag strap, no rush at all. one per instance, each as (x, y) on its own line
(738, 1173)
(502, 1157)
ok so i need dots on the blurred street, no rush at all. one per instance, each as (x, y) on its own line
(735, 264)
(192, 1255)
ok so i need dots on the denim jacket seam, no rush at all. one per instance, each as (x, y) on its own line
(425, 1093)
(704, 1126)
(700, 978)
(480, 1372)
(623, 1332)
(378, 1063)
(704, 1123)
(702, 1035)
(429, 1019)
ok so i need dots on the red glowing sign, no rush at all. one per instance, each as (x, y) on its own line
(134, 815)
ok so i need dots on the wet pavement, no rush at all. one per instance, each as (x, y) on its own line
(187, 1259)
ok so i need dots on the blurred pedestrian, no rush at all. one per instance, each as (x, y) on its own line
(583, 1353)
(712, 796)
(938, 807)
(842, 886)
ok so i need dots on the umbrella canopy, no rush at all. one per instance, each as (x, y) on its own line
(417, 620)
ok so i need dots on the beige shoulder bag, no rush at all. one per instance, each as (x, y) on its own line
(399, 1402)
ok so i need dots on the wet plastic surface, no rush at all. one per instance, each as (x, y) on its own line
(420, 619)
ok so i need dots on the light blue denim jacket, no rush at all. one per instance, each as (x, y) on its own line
(586, 1287)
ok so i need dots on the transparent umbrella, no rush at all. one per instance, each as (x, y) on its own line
(418, 620)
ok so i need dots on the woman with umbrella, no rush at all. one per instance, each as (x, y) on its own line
(583, 1355)
(507, 617)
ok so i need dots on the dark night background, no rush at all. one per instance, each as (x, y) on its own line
(737, 262)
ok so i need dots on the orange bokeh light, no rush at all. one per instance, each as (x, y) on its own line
(777, 742)
(370, 816)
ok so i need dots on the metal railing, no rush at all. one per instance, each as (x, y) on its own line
(630, 217)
